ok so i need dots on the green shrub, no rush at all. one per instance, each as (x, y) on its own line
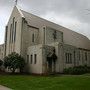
(77, 70)
(14, 61)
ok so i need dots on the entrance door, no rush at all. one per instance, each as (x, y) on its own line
(50, 66)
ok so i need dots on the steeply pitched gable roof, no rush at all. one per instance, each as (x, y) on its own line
(70, 37)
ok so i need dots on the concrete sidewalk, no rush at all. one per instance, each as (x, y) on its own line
(4, 88)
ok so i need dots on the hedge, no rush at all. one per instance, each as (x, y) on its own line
(77, 70)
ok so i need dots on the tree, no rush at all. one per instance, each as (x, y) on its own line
(1, 63)
(14, 61)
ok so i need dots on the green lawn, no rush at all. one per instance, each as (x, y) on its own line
(60, 82)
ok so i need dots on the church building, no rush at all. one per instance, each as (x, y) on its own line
(45, 46)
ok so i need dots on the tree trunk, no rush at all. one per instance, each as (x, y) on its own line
(13, 71)
(21, 70)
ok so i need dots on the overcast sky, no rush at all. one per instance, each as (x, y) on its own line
(73, 14)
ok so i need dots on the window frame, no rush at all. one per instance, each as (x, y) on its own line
(35, 58)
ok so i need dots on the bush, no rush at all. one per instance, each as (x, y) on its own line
(1, 63)
(14, 61)
(77, 70)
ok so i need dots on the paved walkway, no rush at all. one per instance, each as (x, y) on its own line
(4, 88)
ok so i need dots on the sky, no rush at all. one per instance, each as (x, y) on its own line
(73, 14)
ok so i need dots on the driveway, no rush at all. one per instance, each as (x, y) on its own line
(4, 88)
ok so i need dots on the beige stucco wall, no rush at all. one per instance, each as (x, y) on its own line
(49, 37)
(83, 60)
(14, 47)
(35, 68)
(26, 38)
(78, 59)
(70, 49)
(42, 51)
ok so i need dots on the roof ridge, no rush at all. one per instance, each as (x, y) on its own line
(19, 10)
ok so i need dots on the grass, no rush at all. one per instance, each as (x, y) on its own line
(60, 82)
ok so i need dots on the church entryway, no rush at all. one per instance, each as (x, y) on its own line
(51, 59)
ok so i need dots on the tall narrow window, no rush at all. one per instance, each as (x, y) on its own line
(66, 57)
(74, 58)
(31, 59)
(15, 31)
(13, 25)
(70, 58)
(86, 56)
(35, 58)
(79, 55)
(32, 37)
(10, 33)
(27, 58)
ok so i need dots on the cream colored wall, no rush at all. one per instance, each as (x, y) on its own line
(41, 67)
(49, 37)
(35, 68)
(82, 60)
(78, 60)
(17, 44)
(70, 49)
(26, 40)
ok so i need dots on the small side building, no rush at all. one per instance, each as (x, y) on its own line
(1, 51)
